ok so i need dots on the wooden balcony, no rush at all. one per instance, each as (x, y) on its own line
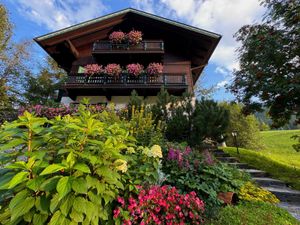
(147, 46)
(79, 84)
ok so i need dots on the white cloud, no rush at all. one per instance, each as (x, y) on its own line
(222, 84)
(55, 14)
(221, 16)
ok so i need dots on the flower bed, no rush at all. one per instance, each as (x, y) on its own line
(161, 205)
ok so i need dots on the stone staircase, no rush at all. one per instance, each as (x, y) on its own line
(290, 199)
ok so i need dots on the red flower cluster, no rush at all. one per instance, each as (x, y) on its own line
(135, 69)
(134, 37)
(117, 37)
(162, 205)
(113, 69)
(155, 69)
(92, 69)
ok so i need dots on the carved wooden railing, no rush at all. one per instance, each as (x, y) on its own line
(144, 46)
(166, 79)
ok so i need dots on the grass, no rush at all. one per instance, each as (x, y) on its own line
(277, 157)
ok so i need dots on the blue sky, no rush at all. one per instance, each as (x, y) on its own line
(33, 18)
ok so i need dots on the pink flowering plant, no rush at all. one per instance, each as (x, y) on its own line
(154, 69)
(135, 69)
(113, 69)
(117, 37)
(160, 205)
(92, 69)
(134, 37)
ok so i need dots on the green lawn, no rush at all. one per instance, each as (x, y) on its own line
(277, 156)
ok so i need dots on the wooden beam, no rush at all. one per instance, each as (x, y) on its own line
(72, 48)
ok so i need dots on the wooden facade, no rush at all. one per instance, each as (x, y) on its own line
(183, 50)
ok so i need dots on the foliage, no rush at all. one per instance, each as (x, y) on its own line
(210, 121)
(113, 69)
(161, 205)
(296, 146)
(91, 69)
(135, 69)
(283, 165)
(40, 89)
(254, 213)
(160, 108)
(251, 192)
(154, 69)
(247, 128)
(190, 171)
(143, 128)
(69, 169)
(134, 37)
(263, 126)
(13, 66)
(117, 37)
(269, 62)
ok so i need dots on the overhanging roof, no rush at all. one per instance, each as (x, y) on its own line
(64, 42)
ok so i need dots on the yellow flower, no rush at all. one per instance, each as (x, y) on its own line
(156, 151)
(121, 165)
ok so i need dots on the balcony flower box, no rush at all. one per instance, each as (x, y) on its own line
(117, 37)
(154, 69)
(113, 70)
(134, 37)
(135, 70)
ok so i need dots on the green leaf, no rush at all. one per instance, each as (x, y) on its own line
(67, 204)
(52, 169)
(4, 179)
(71, 159)
(100, 187)
(82, 167)
(50, 184)
(11, 144)
(42, 203)
(35, 183)
(17, 179)
(22, 208)
(55, 220)
(54, 203)
(39, 219)
(64, 186)
(20, 197)
(76, 216)
(79, 185)
(17, 165)
(80, 205)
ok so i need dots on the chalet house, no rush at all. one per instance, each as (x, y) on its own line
(108, 57)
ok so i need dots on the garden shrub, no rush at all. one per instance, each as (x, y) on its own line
(251, 192)
(70, 169)
(160, 205)
(247, 128)
(142, 126)
(254, 213)
(190, 171)
(210, 121)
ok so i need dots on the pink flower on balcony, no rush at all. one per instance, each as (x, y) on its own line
(135, 69)
(117, 37)
(134, 37)
(113, 69)
(92, 69)
(154, 69)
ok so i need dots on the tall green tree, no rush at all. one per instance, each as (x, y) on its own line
(40, 88)
(13, 66)
(269, 74)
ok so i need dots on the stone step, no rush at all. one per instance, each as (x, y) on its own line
(294, 209)
(255, 173)
(227, 159)
(239, 165)
(220, 154)
(285, 194)
(266, 181)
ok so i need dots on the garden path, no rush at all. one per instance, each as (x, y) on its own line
(290, 199)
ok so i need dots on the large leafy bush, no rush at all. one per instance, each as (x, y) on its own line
(69, 170)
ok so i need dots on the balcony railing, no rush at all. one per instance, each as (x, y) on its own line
(125, 81)
(153, 46)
